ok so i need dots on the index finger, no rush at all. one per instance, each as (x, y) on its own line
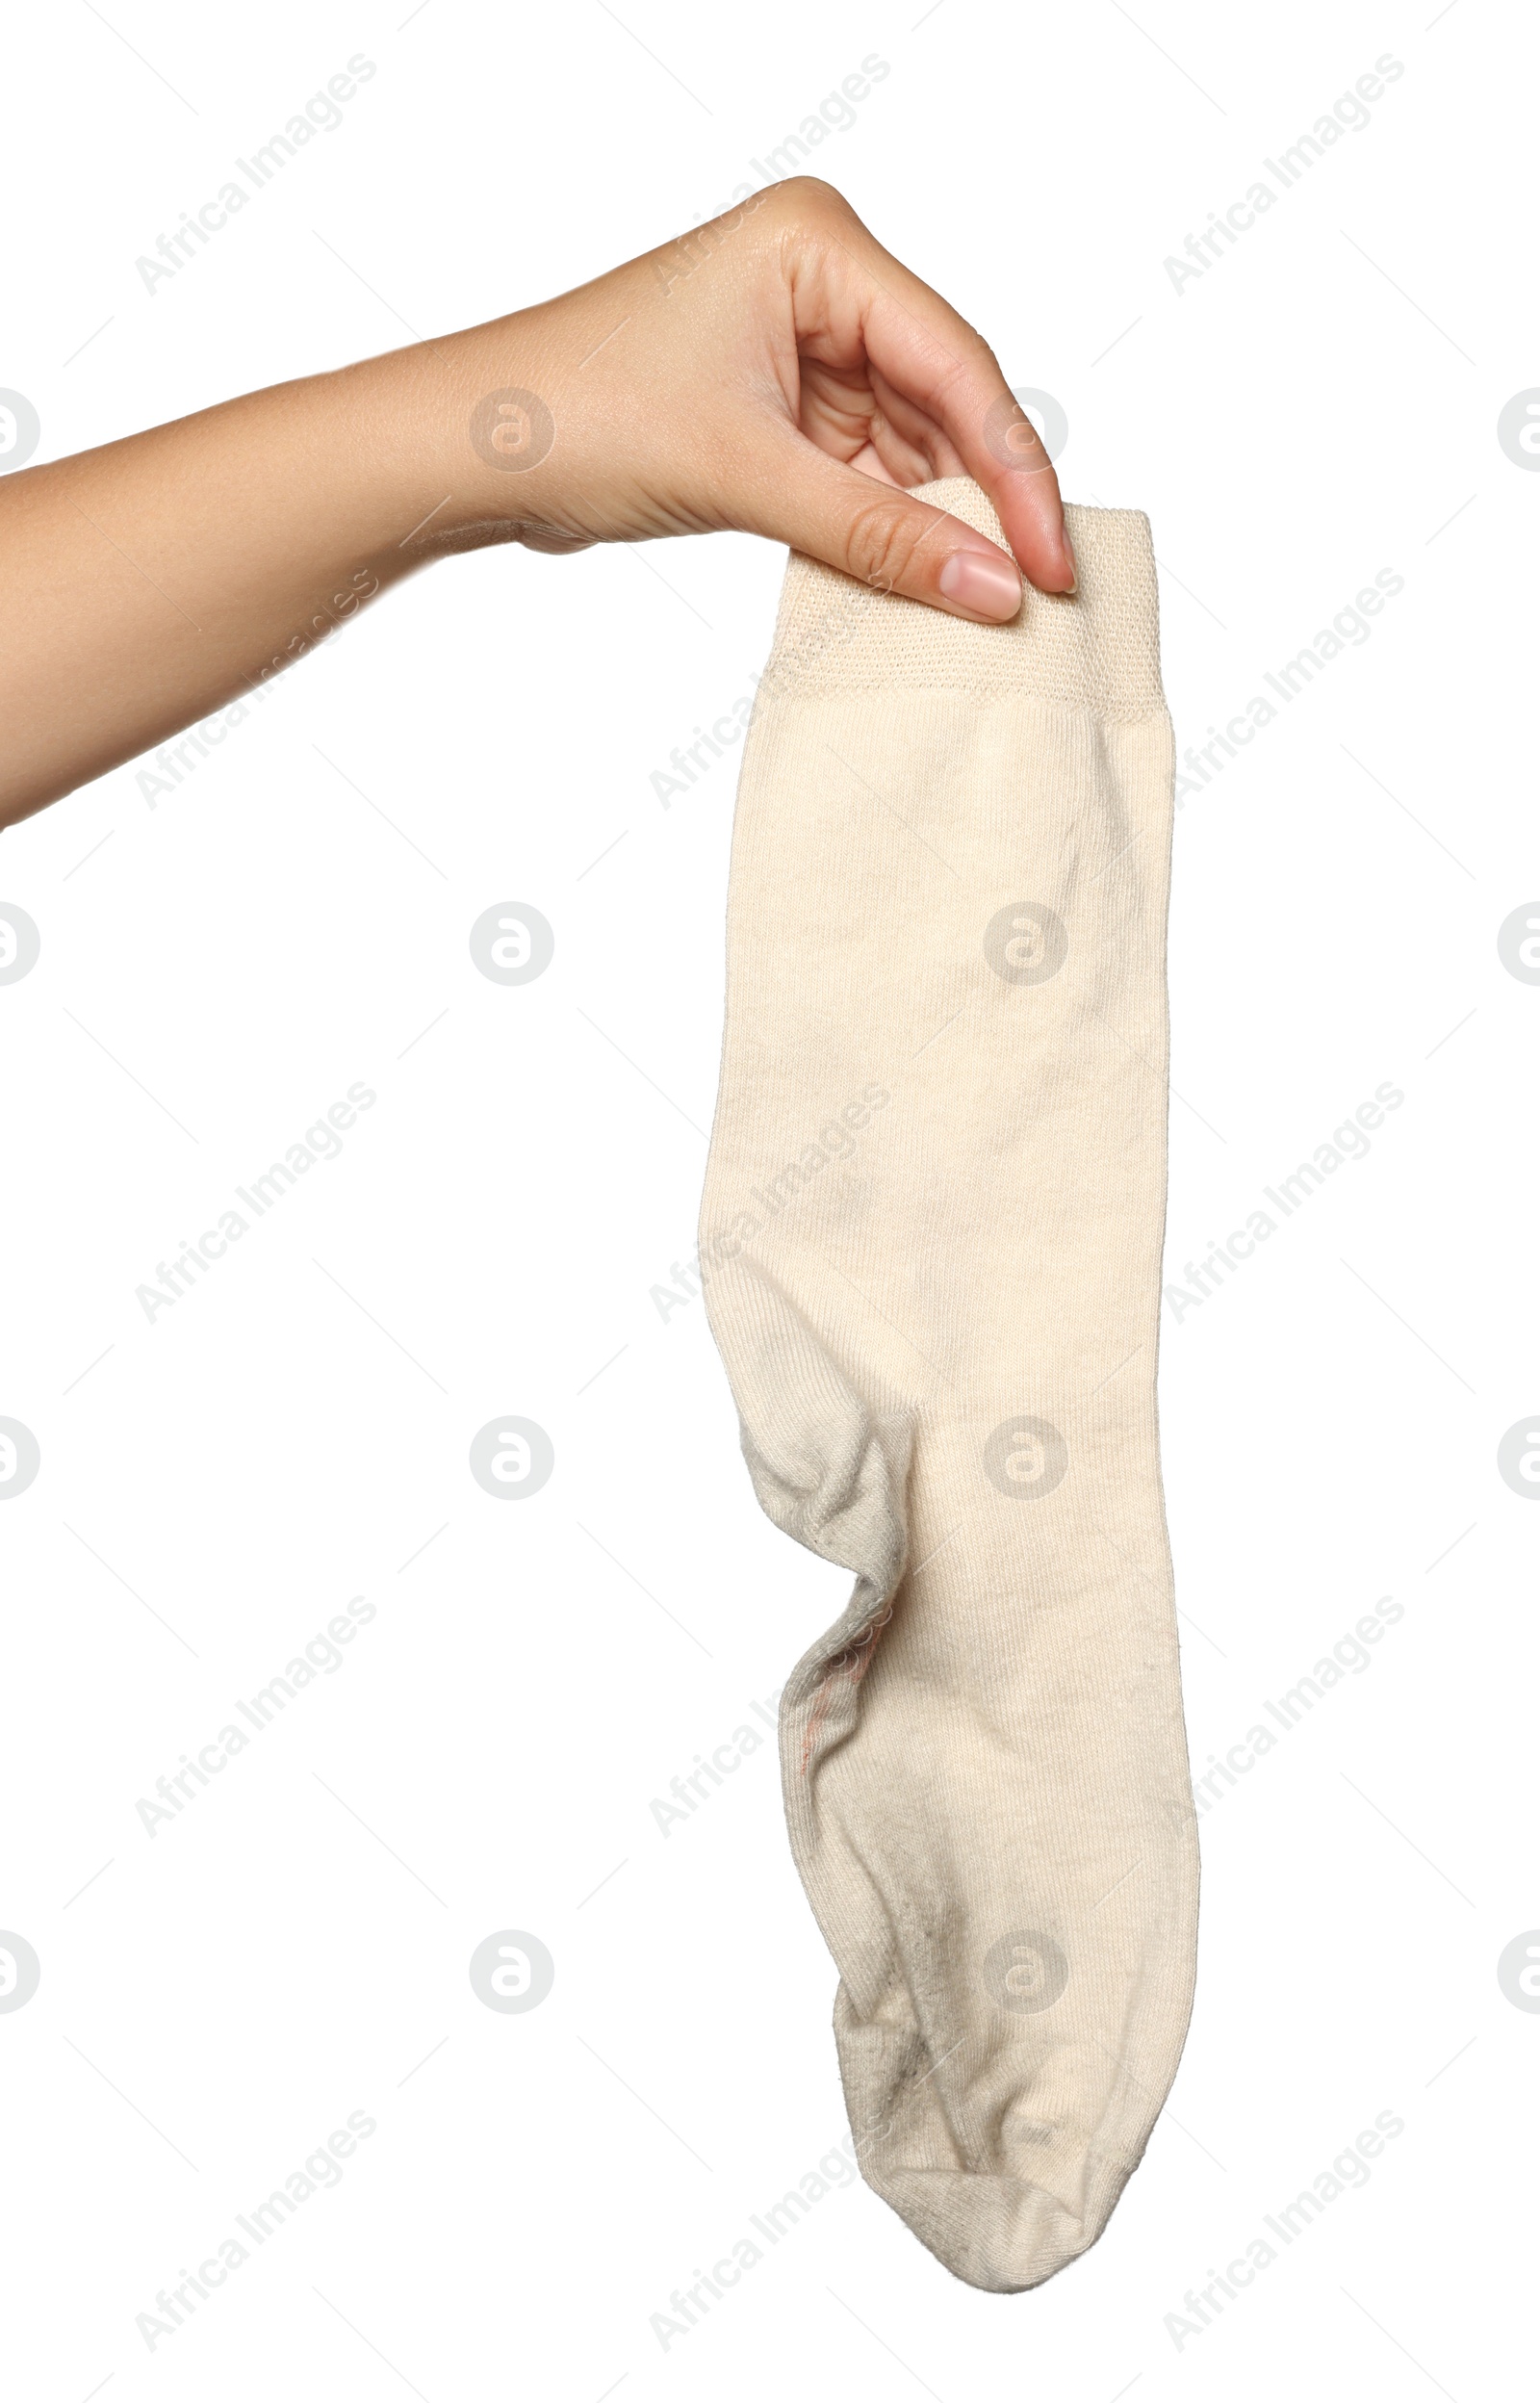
(937, 360)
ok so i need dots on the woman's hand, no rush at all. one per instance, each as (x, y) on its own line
(764, 373)
(775, 370)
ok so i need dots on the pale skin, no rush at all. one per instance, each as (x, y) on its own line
(777, 371)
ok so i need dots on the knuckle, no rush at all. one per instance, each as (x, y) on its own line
(971, 370)
(881, 542)
(808, 197)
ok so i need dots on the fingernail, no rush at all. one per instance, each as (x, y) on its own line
(976, 580)
(1069, 563)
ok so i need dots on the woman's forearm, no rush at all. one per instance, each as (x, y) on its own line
(150, 581)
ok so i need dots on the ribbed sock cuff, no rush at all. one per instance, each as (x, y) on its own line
(1097, 649)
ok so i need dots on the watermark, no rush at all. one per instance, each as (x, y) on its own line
(511, 1458)
(1025, 430)
(685, 763)
(1519, 1458)
(697, 1785)
(322, 1657)
(1518, 1970)
(321, 115)
(835, 1141)
(688, 2306)
(1349, 628)
(793, 659)
(20, 1457)
(20, 430)
(1026, 943)
(1347, 115)
(21, 944)
(835, 115)
(1347, 1142)
(1025, 1972)
(678, 260)
(321, 1141)
(175, 2306)
(1518, 943)
(1348, 1657)
(689, 1281)
(1518, 427)
(20, 1970)
(1025, 1459)
(1202, 2306)
(324, 624)
(512, 943)
(511, 1971)
(175, 761)
(511, 430)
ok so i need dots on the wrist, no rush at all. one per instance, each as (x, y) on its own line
(475, 432)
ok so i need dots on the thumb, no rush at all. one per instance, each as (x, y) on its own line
(881, 533)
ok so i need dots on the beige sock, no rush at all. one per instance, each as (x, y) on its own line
(932, 1236)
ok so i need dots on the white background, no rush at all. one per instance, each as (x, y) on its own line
(1321, 405)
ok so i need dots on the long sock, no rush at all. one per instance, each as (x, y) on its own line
(931, 1236)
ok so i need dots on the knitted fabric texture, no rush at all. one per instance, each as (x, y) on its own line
(1098, 650)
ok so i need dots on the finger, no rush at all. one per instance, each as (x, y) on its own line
(932, 446)
(965, 391)
(799, 495)
(855, 413)
(929, 353)
(899, 461)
